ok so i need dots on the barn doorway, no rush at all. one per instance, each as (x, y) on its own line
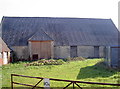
(96, 51)
(35, 56)
(73, 51)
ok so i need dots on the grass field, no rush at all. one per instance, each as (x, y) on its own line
(89, 70)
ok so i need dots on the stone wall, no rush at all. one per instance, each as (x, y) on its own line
(85, 51)
(61, 51)
(82, 51)
(102, 51)
(22, 52)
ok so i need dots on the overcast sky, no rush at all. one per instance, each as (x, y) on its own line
(61, 8)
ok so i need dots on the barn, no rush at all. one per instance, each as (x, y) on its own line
(4, 52)
(56, 37)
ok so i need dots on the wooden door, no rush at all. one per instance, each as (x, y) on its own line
(44, 49)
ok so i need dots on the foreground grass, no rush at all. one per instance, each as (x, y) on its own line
(89, 70)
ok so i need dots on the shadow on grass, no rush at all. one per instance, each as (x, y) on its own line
(98, 70)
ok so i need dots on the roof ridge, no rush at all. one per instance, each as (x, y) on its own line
(56, 17)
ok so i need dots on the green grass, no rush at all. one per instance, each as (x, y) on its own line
(89, 70)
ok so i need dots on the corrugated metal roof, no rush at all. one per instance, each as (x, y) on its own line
(64, 31)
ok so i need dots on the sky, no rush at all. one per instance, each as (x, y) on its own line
(61, 8)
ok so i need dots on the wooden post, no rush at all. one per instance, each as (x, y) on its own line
(11, 81)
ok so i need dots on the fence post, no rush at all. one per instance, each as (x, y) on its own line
(73, 85)
(11, 81)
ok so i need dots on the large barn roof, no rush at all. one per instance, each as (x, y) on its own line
(63, 31)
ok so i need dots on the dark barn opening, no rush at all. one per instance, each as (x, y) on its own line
(35, 56)
(96, 51)
(73, 51)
